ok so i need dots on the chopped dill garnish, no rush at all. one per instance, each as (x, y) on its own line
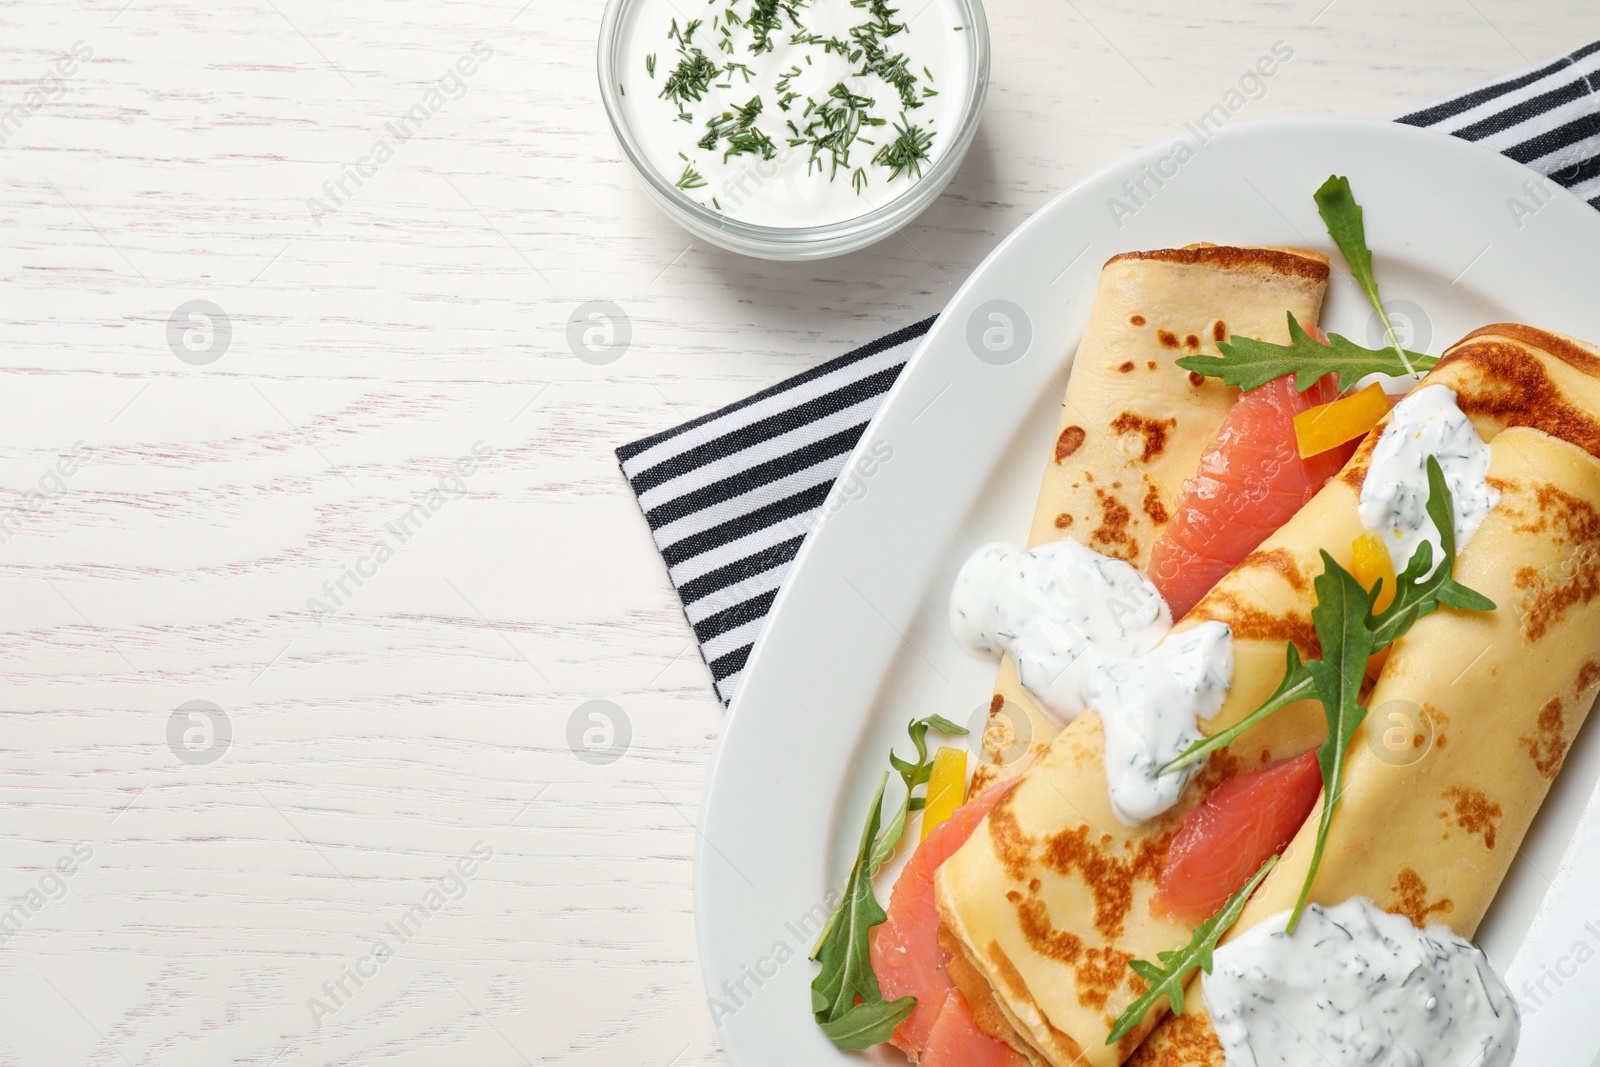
(691, 178)
(650, 64)
(738, 129)
(765, 19)
(690, 79)
(908, 151)
(859, 179)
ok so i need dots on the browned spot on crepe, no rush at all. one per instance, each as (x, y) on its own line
(1063, 520)
(1437, 720)
(1070, 441)
(1514, 390)
(1219, 331)
(1099, 971)
(1111, 537)
(1150, 364)
(1154, 432)
(1355, 469)
(1153, 506)
(1126, 368)
(1549, 592)
(1547, 747)
(1184, 1040)
(1411, 900)
(1474, 812)
(1196, 378)
(1191, 342)
(1252, 623)
(1012, 847)
(1137, 320)
(1573, 355)
(1110, 873)
(1588, 677)
(1280, 561)
(1167, 338)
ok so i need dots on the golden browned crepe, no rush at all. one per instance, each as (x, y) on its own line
(1049, 899)
(1134, 424)
(1499, 695)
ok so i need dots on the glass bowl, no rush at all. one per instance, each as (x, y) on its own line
(796, 242)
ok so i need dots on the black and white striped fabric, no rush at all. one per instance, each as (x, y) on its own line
(731, 495)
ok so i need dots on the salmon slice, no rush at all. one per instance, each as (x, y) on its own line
(956, 1041)
(1251, 481)
(907, 956)
(1230, 835)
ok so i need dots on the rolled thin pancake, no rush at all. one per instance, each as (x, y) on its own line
(1049, 898)
(1489, 702)
(1133, 423)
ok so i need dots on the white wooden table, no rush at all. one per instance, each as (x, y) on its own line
(298, 876)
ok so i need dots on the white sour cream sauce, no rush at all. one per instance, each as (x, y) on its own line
(1354, 985)
(1087, 631)
(1394, 496)
(784, 191)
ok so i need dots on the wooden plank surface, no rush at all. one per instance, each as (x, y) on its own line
(404, 742)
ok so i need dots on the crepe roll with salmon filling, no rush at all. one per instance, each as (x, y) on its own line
(1135, 426)
(1472, 714)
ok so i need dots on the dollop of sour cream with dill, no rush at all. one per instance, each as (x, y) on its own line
(1354, 986)
(1394, 496)
(1086, 630)
(793, 112)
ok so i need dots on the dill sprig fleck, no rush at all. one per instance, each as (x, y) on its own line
(908, 151)
(835, 124)
(691, 178)
(650, 64)
(690, 79)
(737, 128)
(766, 19)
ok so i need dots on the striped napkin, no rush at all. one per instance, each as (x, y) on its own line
(730, 496)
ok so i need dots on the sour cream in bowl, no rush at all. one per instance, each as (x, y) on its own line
(794, 129)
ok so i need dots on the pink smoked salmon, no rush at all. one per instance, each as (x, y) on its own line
(1251, 481)
(908, 959)
(1230, 835)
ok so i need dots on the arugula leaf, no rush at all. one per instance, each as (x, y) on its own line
(1341, 616)
(843, 947)
(1297, 684)
(1168, 979)
(1419, 591)
(1248, 363)
(1343, 217)
(913, 775)
(845, 952)
(868, 1024)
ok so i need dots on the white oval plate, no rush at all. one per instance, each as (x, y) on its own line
(857, 644)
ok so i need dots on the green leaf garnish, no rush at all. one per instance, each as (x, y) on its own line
(1168, 979)
(1341, 616)
(1342, 215)
(1297, 684)
(868, 1024)
(1417, 593)
(1248, 363)
(843, 948)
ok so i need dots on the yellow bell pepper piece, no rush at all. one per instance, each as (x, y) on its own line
(1370, 561)
(1332, 424)
(947, 787)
